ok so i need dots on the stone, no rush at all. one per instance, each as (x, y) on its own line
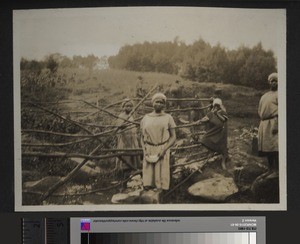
(266, 190)
(215, 189)
(130, 197)
(42, 185)
(150, 197)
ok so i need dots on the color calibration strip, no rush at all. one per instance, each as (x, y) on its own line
(169, 238)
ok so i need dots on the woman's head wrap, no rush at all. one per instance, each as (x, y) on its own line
(220, 103)
(159, 96)
(217, 101)
(273, 76)
(127, 100)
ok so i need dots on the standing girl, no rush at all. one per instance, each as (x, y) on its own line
(158, 135)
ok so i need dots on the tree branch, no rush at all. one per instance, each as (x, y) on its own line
(78, 155)
(77, 168)
(111, 114)
(62, 117)
(56, 144)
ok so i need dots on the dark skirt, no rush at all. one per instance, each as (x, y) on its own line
(215, 138)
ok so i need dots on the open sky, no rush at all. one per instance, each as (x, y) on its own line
(102, 31)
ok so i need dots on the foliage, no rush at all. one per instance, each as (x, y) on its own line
(199, 62)
(55, 61)
(32, 65)
(155, 56)
(51, 64)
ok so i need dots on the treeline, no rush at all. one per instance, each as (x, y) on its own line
(54, 61)
(44, 76)
(199, 62)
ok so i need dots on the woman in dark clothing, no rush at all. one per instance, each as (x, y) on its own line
(215, 138)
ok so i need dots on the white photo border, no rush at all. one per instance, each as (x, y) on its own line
(282, 205)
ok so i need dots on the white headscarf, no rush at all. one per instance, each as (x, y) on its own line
(220, 103)
(217, 101)
(272, 77)
(159, 96)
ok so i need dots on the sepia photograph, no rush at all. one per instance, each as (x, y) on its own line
(149, 108)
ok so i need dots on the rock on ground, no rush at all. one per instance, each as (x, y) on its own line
(138, 196)
(150, 197)
(215, 189)
(42, 185)
(266, 190)
(130, 197)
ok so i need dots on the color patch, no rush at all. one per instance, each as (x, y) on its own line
(85, 224)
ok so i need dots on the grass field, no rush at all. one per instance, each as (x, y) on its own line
(112, 85)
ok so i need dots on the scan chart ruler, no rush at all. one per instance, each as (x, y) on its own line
(48, 231)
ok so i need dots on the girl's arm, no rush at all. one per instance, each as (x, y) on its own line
(170, 142)
(142, 136)
(142, 143)
(222, 116)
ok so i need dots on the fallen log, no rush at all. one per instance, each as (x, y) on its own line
(124, 152)
(43, 144)
(77, 155)
(87, 192)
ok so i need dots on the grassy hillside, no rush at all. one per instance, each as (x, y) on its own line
(109, 86)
